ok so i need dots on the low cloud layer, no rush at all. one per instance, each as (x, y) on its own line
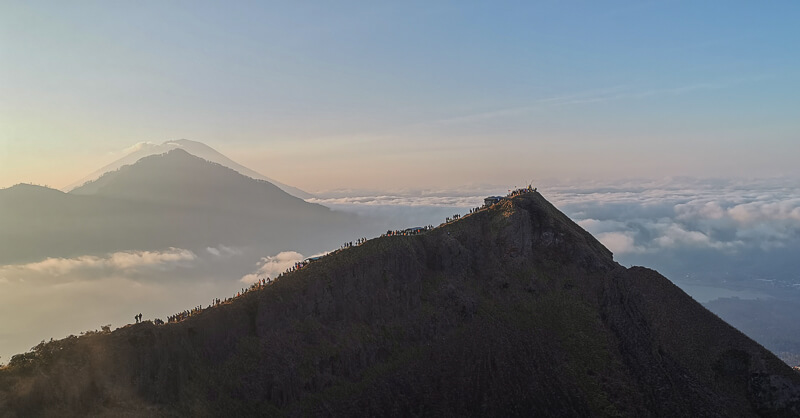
(401, 200)
(730, 217)
(119, 264)
(56, 297)
(402, 209)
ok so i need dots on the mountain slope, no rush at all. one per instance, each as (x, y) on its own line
(510, 311)
(161, 201)
(195, 148)
(180, 178)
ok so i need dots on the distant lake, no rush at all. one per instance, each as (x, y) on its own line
(703, 293)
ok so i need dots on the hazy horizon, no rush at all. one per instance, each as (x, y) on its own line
(495, 181)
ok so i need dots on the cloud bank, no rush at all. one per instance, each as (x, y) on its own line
(119, 264)
(730, 217)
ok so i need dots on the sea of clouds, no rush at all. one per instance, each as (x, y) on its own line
(739, 233)
(723, 215)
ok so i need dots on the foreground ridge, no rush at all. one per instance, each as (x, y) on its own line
(512, 310)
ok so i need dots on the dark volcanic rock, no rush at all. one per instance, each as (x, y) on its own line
(510, 311)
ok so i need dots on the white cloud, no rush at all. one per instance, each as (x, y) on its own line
(137, 259)
(723, 215)
(122, 263)
(596, 227)
(619, 242)
(748, 213)
(59, 266)
(273, 266)
(674, 235)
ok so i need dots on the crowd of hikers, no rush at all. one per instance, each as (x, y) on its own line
(263, 282)
(180, 316)
(517, 192)
(408, 231)
(357, 242)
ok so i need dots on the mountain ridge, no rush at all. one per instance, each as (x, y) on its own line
(195, 148)
(167, 176)
(167, 200)
(513, 310)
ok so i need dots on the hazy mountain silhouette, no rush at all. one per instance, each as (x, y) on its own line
(195, 148)
(512, 311)
(169, 200)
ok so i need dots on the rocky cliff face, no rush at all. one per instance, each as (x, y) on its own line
(513, 310)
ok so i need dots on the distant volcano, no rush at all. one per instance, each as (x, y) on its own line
(195, 148)
(510, 311)
(169, 200)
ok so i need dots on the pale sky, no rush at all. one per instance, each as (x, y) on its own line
(325, 95)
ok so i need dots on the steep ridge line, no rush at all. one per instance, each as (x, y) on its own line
(513, 310)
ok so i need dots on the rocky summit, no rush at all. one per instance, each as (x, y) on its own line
(513, 310)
